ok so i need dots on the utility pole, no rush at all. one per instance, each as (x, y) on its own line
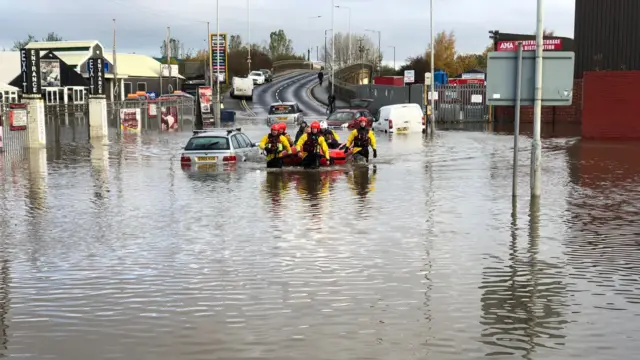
(433, 76)
(317, 53)
(169, 54)
(536, 144)
(209, 46)
(116, 90)
(333, 45)
(217, 107)
(249, 36)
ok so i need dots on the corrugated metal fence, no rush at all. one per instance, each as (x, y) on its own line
(453, 103)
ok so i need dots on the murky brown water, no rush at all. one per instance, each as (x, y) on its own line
(115, 252)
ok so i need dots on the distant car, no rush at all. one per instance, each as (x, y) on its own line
(210, 148)
(268, 76)
(257, 77)
(286, 112)
(348, 118)
(399, 118)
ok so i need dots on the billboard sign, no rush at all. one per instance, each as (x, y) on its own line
(530, 45)
(219, 54)
(30, 71)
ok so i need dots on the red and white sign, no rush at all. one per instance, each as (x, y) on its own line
(459, 81)
(530, 45)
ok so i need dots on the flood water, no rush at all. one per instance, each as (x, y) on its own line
(114, 252)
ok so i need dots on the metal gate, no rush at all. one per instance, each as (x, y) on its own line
(12, 141)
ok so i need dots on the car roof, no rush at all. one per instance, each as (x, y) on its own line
(216, 132)
(283, 103)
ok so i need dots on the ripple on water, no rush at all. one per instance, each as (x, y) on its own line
(115, 252)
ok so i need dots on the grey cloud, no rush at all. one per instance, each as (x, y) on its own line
(403, 23)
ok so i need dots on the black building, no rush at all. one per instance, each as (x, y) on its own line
(607, 35)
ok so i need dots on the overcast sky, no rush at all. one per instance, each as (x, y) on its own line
(142, 24)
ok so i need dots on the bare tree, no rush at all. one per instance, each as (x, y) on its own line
(362, 49)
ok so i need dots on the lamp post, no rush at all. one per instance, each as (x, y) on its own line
(309, 48)
(217, 107)
(333, 44)
(349, 33)
(433, 76)
(394, 56)
(379, 51)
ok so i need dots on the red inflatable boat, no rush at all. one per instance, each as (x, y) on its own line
(337, 156)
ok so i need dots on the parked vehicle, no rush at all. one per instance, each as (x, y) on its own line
(287, 112)
(212, 148)
(242, 88)
(257, 77)
(399, 118)
(268, 76)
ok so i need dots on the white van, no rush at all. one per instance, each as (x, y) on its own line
(242, 88)
(399, 118)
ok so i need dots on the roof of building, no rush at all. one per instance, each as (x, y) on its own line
(5, 87)
(73, 58)
(137, 65)
(10, 68)
(67, 45)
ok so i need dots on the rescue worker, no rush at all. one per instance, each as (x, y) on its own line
(283, 132)
(330, 137)
(301, 130)
(311, 147)
(361, 138)
(275, 146)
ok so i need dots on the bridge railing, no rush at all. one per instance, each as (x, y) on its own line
(286, 65)
(348, 78)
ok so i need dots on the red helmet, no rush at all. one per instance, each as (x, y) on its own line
(315, 125)
(275, 127)
(363, 119)
(282, 127)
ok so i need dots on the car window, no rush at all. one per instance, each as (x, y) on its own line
(236, 142)
(208, 143)
(367, 115)
(246, 139)
(341, 116)
(281, 110)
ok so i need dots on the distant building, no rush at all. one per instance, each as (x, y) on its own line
(135, 72)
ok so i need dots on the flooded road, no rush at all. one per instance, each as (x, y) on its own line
(114, 252)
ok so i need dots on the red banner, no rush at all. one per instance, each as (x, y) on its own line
(530, 45)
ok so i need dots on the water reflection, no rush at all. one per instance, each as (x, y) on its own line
(37, 197)
(362, 182)
(100, 169)
(523, 298)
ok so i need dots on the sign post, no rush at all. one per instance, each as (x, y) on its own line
(504, 69)
(409, 78)
(98, 127)
(32, 96)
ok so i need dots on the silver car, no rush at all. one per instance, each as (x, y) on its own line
(286, 112)
(210, 148)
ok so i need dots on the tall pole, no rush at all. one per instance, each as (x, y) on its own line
(536, 144)
(116, 90)
(333, 45)
(379, 53)
(169, 53)
(433, 77)
(210, 55)
(217, 110)
(516, 130)
(249, 36)
(349, 58)
(325, 49)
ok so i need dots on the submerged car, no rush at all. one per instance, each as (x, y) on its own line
(287, 112)
(210, 148)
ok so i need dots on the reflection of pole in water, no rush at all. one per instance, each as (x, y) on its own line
(37, 179)
(514, 304)
(5, 273)
(100, 168)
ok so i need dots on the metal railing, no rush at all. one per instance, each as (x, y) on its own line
(13, 142)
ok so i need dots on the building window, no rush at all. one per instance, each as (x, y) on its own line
(142, 86)
(128, 88)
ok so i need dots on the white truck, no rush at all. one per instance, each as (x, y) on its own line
(242, 88)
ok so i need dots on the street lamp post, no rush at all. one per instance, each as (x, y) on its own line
(349, 34)
(394, 56)
(379, 51)
(217, 107)
(309, 48)
(333, 45)
(433, 77)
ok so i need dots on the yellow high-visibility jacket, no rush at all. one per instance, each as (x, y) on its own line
(354, 135)
(283, 145)
(321, 143)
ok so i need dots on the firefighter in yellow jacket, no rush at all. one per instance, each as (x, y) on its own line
(361, 138)
(275, 146)
(311, 147)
